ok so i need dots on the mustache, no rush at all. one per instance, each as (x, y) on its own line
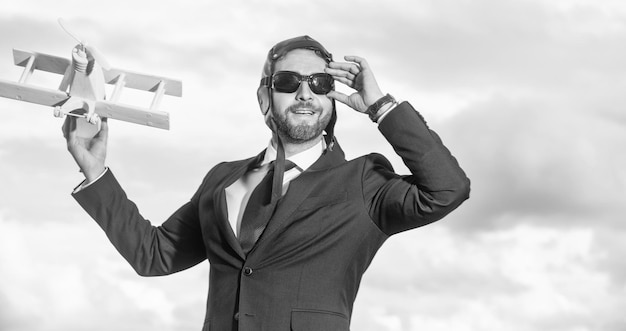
(304, 105)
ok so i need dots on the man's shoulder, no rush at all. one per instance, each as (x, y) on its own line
(368, 161)
(373, 157)
(235, 164)
(225, 170)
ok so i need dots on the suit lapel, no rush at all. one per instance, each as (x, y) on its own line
(219, 201)
(299, 189)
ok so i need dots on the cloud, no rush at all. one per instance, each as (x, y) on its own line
(34, 190)
(86, 285)
(529, 158)
(522, 278)
(611, 248)
(19, 30)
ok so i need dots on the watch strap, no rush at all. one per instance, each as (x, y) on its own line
(374, 108)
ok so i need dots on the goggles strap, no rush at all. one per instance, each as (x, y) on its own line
(266, 81)
(279, 165)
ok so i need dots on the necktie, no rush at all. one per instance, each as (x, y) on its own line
(259, 209)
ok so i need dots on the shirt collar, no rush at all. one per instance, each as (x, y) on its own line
(303, 160)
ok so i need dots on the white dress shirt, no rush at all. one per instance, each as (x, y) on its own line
(238, 193)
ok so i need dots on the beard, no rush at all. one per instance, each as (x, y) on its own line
(303, 131)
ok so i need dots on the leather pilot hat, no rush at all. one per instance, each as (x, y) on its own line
(281, 49)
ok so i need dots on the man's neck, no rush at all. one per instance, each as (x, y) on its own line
(295, 148)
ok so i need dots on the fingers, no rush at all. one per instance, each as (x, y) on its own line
(339, 73)
(341, 97)
(74, 136)
(104, 129)
(351, 68)
(346, 73)
(355, 64)
(69, 127)
(104, 125)
(349, 73)
(358, 60)
(344, 68)
(66, 128)
(341, 76)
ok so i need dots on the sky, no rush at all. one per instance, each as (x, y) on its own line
(527, 94)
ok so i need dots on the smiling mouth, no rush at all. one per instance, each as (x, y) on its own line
(303, 111)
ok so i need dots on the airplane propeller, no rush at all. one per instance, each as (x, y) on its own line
(92, 50)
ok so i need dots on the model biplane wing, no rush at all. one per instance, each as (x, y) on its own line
(76, 91)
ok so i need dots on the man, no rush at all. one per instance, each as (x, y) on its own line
(292, 259)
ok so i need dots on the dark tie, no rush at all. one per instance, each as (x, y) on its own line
(259, 209)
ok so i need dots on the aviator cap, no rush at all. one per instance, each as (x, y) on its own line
(302, 42)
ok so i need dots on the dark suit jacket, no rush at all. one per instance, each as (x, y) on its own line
(305, 270)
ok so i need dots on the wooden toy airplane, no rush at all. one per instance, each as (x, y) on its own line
(81, 92)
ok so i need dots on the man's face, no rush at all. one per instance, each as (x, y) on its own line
(301, 116)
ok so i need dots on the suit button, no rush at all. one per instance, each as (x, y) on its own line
(236, 317)
(247, 271)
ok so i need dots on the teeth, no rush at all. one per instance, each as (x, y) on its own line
(307, 112)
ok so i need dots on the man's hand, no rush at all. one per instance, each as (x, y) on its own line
(356, 74)
(89, 153)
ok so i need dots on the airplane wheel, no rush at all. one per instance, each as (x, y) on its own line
(57, 112)
(94, 119)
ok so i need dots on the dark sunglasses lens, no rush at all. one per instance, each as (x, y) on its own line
(286, 82)
(289, 82)
(321, 83)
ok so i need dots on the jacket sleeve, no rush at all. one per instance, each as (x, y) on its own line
(151, 250)
(437, 184)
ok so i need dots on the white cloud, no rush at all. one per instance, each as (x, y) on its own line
(72, 273)
(538, 157)
(552, 282)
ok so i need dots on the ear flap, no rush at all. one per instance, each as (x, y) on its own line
(263, 96)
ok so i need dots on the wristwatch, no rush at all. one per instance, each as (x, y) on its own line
(373, 109)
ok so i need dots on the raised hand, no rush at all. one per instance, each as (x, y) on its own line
(89, 153)
(355, 73)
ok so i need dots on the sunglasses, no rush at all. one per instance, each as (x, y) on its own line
(289, 82)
